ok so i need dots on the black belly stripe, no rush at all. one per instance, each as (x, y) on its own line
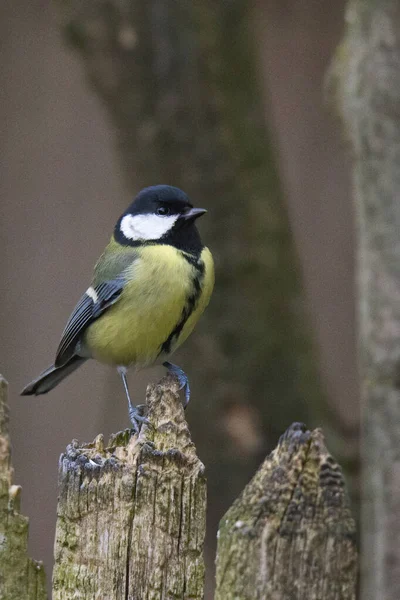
(190, 305)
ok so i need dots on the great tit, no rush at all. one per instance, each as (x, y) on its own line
(149, 288)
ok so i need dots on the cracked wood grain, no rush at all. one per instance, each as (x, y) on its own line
(21, 578)
(290, 535)
(131, 514)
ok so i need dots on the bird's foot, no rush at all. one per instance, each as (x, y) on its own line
(182, 378)
(135, 412)
(136, 416)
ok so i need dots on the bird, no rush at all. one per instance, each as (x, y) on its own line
(149, 288)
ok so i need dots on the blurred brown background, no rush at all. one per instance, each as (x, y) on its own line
(61, 191)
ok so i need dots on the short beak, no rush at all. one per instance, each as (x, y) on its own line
(193, 213)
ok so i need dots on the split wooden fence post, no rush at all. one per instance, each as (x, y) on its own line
(290, 535)
(131, 520)
(21, 578)
(131, 514)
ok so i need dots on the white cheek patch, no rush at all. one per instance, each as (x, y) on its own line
(146, 227)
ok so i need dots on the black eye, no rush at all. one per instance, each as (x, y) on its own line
(162, 211)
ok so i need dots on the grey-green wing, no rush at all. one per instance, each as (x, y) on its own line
(107, 285)
(89, 308)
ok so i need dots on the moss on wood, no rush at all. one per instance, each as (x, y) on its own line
(131, 513)
(290, 534)
(21, 578)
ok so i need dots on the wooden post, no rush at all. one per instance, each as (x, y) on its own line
(131, 519)
(21, 578)
(131, 514)
(290, 535)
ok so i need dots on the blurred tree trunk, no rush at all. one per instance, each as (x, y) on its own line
(367, 79)
(179, 82)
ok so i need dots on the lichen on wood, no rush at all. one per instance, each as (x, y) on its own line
(21, 578)
(290, 535)
(131, 514)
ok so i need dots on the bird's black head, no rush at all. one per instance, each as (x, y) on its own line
(160, 214)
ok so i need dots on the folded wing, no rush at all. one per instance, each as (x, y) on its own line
(93, 303)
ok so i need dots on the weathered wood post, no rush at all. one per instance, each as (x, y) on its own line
(290, 535)
(131, 514)
(131, 520)
(21, 578)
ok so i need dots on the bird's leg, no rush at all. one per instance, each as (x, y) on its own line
(134, 413)
(182, 378)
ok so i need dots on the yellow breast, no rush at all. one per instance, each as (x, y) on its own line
(161, 303)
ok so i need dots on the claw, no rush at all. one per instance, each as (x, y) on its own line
(182, 378)
(137, 419)
(135, 412)
(141, 408)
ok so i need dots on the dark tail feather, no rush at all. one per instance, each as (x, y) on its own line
(52, 377)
